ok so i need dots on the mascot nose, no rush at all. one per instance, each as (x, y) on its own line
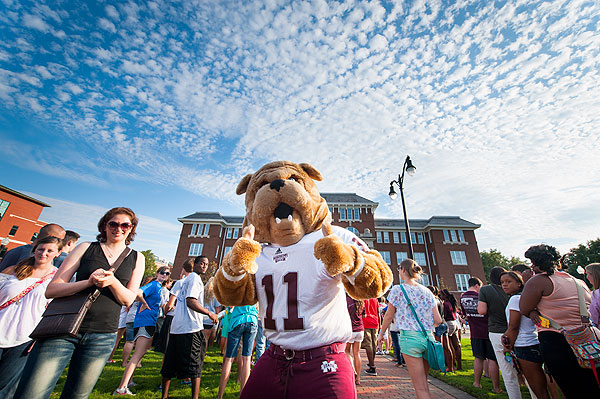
(276, 184)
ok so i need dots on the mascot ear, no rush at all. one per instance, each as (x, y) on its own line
(311, 171)
(241, 188)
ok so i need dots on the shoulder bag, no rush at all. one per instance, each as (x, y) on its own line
(64, 315)
(435, 350)
(27, 290)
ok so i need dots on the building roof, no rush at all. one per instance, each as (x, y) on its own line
(25, 197)
(211, 217)
(346, 198)
(432, 222)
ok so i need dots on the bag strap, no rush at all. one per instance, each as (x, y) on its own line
(414, 312)
(583, 310)
(28, 290)
(115, 266)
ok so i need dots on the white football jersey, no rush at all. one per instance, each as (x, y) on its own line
(301, 305)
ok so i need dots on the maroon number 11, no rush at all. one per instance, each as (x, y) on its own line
(292, 322)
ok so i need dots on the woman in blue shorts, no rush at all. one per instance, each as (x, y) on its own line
(243, 325)
(144, 326)
(413, 343)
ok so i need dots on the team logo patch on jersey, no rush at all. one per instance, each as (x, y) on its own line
(329, 367)
(279, 256)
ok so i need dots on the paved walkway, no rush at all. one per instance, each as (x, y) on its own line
(394, 383)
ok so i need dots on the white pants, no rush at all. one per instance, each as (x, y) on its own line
(509, 374)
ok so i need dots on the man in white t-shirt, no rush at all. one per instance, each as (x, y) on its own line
(185, 352)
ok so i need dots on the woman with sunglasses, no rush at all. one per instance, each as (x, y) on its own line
(144, 326)
(88, 351)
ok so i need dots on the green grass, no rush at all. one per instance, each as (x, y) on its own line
(463, 379)
(148, 379)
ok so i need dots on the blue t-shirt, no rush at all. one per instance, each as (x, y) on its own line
(148, 317)
(243, 314)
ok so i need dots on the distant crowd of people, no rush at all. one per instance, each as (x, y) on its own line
(513, 322)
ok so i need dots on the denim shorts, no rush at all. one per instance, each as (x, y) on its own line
(414, 343)
(244, 333)
(129, 332)
(531, 353)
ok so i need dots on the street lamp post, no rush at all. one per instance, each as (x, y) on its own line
(409, 168)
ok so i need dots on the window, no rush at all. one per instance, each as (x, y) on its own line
(396, 237)
(403, 237)
(227, 249)
(429, 234)
(195, 249)
(356, 214)
(420, 238)
(413, 238)
(424, 280)
(386, 256)
(235, 233)
(458, 257)
(352, 229)
(433, 258)
(13, 230)
(200, 229)
(34, 236)
(379, 236)
(461, 236)
(446, 236)
(462, 281)
(3, 207)
(400, 256)
(420, 258)
(217, 252)
(453, 236)
(386, 237)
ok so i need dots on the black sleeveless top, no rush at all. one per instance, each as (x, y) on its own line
(103, 316)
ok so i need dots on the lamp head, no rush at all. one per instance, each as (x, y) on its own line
(410, 168)
(392, 193)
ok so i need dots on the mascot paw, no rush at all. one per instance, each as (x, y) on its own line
(337, 256)
(242, 257)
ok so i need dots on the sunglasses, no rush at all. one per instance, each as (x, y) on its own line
(165, 273)
(124, 226)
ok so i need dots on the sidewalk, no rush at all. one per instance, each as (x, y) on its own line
(394, 383)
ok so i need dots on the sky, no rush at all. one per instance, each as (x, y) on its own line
(164, 106)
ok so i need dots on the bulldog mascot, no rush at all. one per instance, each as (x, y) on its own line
(296, 266)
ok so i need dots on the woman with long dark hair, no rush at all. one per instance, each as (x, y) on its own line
(553, 295)
(451, 318)
(22, 303)
(87, 353)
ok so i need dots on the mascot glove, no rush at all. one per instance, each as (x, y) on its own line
(242, 257)
(337, 256)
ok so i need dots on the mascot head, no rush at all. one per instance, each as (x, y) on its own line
(283, 203)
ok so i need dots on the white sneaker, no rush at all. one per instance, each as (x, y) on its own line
(379, 353)
(123, 391)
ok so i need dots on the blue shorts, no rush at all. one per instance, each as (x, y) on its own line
(414, 343)
(244, 333)
(129, 332)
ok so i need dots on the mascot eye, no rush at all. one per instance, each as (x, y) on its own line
(293, 178)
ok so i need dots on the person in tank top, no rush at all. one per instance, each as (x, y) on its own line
(88, 351)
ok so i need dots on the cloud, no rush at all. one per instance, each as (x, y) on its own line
(194, 95)
(35, 22)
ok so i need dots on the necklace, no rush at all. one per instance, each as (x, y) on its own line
(110, 254)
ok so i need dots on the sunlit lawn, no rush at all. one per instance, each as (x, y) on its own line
(148, 379)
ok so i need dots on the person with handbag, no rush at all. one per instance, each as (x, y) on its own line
(416, 313)
(108, 276)
(555, 302)
(592, 272)
(22, 302)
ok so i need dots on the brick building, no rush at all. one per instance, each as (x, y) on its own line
(19, 215)
(445, 246)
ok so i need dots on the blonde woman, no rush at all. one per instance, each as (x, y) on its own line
(413, 343)
(22, 302)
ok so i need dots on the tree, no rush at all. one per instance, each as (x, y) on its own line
(150, 267)
(582, 255)
(493, 257)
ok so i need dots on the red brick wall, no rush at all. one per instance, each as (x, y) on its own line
(22, 213)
